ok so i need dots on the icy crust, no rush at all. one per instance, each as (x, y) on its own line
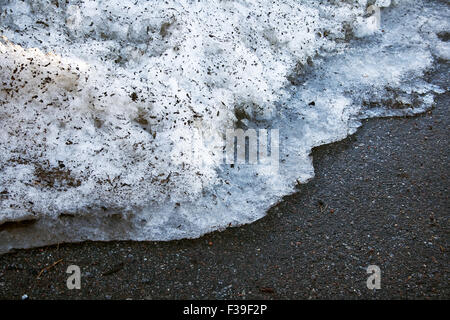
(113, 113)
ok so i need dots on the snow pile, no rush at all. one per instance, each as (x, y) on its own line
(113, 113)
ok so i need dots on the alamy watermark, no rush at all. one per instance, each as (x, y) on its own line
(260, 147)
(374, 20)
(74, 280)
(374, 280)
(374, 13)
